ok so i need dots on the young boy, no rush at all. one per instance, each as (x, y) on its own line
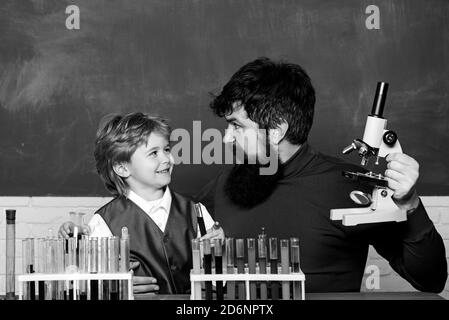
(133, 158)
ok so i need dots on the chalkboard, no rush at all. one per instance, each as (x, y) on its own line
(167, 56)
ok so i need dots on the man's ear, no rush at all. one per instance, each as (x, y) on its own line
(277, 134)
(121, 169)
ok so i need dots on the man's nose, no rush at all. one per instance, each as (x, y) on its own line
(229, 136)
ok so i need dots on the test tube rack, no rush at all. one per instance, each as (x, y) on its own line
(247, 278)
(76, 277)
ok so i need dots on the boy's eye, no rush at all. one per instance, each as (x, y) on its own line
(236, 126)
(167, 149)
(153, 154)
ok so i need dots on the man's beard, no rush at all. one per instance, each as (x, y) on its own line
(246, 187)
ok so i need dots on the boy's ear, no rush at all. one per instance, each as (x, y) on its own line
(121, 169)
(277, 134)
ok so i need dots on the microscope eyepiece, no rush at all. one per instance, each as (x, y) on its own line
(379, 99)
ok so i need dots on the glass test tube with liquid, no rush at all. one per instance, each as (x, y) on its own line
(113, 256)
(207, 267)
(93, 268)
(262, 258)
(252, 266)
(83, 264)
(29, 287)
(124, 262)
(196, 261)
(295, 266)
(41, 266)
(103, 267)
(10, 254)
(218, 254)
(285, 266)
(273, 250)
(230, 263)
(240, 256)
(50, 268)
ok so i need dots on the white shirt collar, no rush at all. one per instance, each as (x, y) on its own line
(151, 206)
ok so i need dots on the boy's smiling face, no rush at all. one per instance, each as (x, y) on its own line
(149, 169)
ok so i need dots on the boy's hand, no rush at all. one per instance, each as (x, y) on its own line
(402, 173)
(214, 233)
(66, 229)
(141, 284)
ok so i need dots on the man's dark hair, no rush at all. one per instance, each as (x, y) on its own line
(271, 93)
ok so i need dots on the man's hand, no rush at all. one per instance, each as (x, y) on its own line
(67, 228)
(402, 173)
(142, 285)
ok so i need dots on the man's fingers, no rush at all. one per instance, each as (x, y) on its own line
(144, 284)
(401, 157)
(395, 175)
(138, 280)
(396, 165)
(134, 265)
(146, 288)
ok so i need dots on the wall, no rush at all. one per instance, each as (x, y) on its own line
(36, 215)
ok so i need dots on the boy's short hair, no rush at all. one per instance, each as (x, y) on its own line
(271, 92)
(118, 139)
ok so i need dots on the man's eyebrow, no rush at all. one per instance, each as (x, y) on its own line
(232, 119)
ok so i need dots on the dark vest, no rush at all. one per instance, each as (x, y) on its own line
(166, 256)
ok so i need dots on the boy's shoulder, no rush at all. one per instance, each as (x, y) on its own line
(116, 204)
(181, 196)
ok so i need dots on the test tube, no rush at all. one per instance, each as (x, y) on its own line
(207, 267)
(218, 254)
(230, 254)
(60, 267)
(40, 264)
(93, 267)
(262, 257)
(240, 256)
(285, 265)
(10, 254)
(71, 266)
(103, 267)
(273, 249)
(295, 265)
(83, 266)
(113, 256)
(200, 219)
(50, 266)
(196, 261)
(29, 288)
(124, 262)
(252, 266)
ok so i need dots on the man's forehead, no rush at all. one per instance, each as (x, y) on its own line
(238, 112)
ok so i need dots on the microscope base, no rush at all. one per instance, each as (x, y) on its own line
(352, 217)
(383, 209)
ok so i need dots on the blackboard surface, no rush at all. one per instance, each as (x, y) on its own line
(166, 57)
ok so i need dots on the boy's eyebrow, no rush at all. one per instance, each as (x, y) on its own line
(152, 149)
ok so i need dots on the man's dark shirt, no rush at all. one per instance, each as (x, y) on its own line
(333, 256)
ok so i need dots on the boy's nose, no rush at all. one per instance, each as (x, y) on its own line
(166, 158)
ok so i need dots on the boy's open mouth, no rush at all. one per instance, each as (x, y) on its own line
(163, 171)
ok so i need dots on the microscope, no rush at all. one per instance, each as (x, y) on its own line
(377, 142)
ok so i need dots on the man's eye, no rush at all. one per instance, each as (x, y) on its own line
(236, 126)
(152, 154)
(167, 149)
